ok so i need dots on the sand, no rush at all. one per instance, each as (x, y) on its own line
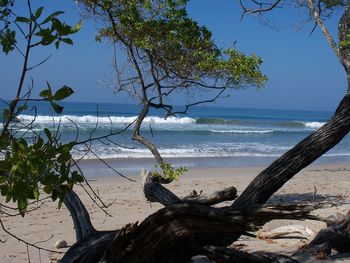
(47, 224)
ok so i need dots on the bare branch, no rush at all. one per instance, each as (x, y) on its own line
(26, 242)
(330, 40)
(262, 7)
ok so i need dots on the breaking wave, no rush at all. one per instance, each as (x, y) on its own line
(103, 120)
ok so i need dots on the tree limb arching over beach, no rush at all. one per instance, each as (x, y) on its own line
(190, 226)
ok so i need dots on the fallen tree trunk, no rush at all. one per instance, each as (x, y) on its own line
(158, 232)
(301, 155)
(161, 230)
(80, 216)
(91, 249)
(336, 236)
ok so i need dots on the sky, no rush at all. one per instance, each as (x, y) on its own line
(303, 71)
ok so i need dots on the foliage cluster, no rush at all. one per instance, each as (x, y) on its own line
(31, 160)
(179, 49)
(165, 173)
(345, 44)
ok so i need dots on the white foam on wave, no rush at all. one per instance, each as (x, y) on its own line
(239, 150)
(336, 154)
(243, 131)
(172, 153)
(103, 120)
(313, 124)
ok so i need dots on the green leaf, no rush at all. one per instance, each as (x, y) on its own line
(57, 108)
(46, 36)
(36, 193)
(63, 93)
(47, 189)
(45, 93)
(22, 19)
(66, 147)
(38, 12)
(3, 179)
(77, 178)
(21, 108)
(48, 133)
(8, 197)
(5, 166)
(54, 195)
(8, 40)
(60, 202)
(67, 41)
(49, 86)
(4, 190)
(4, 141)
(50, 17)
(5, 115)
(22, 204)
(4, 3)
(77, 27)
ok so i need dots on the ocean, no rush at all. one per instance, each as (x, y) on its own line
(205, 137)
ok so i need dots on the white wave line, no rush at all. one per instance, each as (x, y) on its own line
(105, 119)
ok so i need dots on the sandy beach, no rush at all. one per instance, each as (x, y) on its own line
(45, 225)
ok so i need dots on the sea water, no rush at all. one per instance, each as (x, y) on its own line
(209, 136)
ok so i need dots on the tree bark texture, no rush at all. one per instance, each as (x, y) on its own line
(138, 137)
(80, 216)
(156, 192)
(162, 229)
(300, 156)
(344, 51)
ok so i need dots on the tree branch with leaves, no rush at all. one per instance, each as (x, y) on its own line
(169, 53)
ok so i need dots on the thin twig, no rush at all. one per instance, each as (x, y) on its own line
(27, 243)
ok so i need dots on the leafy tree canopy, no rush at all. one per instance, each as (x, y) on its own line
(173, 48)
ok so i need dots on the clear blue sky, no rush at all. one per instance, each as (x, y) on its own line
(303, 71)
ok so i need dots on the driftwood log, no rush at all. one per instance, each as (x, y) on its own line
(142, 242)
(286, 231)
(156, 192)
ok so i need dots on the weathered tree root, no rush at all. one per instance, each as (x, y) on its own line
(156, 192)
(158, 232)
(335, 236)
